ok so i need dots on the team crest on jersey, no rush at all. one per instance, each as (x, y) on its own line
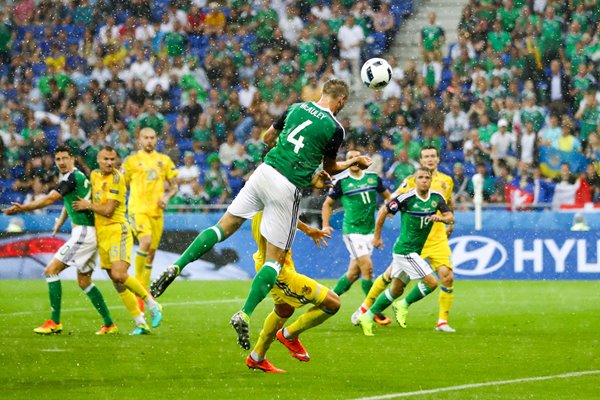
(444, 186)
(104, 184)
(160, 164)
(306, 290)
(371, 180)
(434, 203)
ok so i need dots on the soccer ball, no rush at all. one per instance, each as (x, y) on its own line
(376, 73)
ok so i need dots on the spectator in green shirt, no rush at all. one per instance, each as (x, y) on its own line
(401, 168)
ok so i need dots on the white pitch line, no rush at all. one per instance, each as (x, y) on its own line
(186, 303)
(483, 384)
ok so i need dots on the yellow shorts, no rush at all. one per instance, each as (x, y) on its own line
(115, 243)
(437, 253)
(142, 225)
(296, 289)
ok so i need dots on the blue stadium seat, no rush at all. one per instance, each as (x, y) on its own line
(453, 156)
(469, 169)
(52, 134)
(446, 168)
(184, 145)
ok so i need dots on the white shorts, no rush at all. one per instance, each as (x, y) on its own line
(359, 245)
(270, 191)
(81, 250)
(411, 265)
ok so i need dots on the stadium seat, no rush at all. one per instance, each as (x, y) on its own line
(184, 145)
(52, 135)
(446, 168)
(453, 156)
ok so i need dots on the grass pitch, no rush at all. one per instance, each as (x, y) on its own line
(508, 333)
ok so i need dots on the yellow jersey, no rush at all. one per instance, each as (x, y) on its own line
(109, 187)
(146, 174)
(441, 183)
(261, 253)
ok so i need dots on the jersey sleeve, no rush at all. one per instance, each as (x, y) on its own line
(336, 191)
(170, 169)
(280, 121)
(66, 186)
(395, 205)
(442, 205)
(331, 149)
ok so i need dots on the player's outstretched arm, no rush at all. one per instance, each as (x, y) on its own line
(42, 202)
(332, 166)
(59, 222)
(172, 189)
(381, 216)
(326, 211)
(317, 235)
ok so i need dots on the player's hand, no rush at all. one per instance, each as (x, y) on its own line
(363, 162)
(162, 203)
(318, 236)
(322, 180)
(378, 242)
(82, 205)
(449, 229)
(437, 218)
(328, 229)
(16, 208)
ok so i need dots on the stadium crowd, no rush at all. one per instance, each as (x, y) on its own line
(517, 90)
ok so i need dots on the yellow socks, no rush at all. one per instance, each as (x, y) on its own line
(446, 298)
(313, 317)
(130, 302)
(378, 287)
(136, 287)
(272, 324)
(139, 263)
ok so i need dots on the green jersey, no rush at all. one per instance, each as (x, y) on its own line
(431, 35)
(73, 186)
(308, 133)
(359, 199)
(416, 219)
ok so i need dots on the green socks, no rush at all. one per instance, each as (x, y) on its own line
(366, 285)
(98, 301)
(261, 285)
(202, 244)
(342, 285)
(55, 292)
(384, 300)
(417, 293)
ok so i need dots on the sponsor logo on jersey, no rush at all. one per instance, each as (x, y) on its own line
(477, 255)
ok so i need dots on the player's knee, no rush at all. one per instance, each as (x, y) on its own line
(283, 310)
(331, 304)
(84, 281)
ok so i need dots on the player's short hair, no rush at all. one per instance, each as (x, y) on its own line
(109, 148)
(429, 147)
(424, 169)
(336, 88)
(63, 148)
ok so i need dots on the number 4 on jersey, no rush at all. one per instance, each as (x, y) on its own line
(299, 141)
